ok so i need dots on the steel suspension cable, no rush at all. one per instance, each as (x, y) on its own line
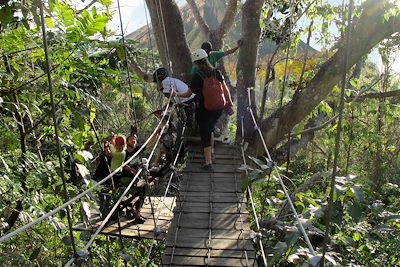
(112, 184)
(339, 129)
(51, 213)
(163, 198)
(240, 197)
(251, 200)
(56, 130)
(126, 62)
(165, 38)
(280, 180)
(105, 221)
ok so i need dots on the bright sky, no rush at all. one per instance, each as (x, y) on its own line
(133, 17)
(133, 14)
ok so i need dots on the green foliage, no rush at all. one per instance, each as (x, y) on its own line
(90, 88)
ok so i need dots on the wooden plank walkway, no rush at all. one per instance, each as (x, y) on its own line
(139, 231)
(210, 225)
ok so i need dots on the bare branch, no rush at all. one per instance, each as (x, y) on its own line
(199, 19)
(134, 67)
(374, 95)
(228, 19)
(86, 7)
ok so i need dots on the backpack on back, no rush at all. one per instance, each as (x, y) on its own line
(213, 92)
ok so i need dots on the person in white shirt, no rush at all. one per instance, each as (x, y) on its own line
(166, 85)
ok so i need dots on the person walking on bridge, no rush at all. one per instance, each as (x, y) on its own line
(214, 97)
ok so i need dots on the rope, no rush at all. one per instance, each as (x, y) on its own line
(126, 62)
(113, 186)
(53, 111)
(239, 198)
(165, 194)
(280, 180)
(252, 202)
(338, 131)
(105, 221)
(165, 38)
(180, 216)
(124, 193)
(51, 213)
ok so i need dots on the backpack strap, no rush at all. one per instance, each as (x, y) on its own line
(201, 74)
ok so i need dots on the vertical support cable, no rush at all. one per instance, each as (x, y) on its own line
(126, 62)
(339, 129)
(53, 110)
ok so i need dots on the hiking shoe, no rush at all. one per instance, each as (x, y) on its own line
(208, 167)
(139, 220)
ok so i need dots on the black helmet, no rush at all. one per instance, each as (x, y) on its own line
(206, 46)
(160, 74)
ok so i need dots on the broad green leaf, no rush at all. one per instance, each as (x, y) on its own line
(49, 22)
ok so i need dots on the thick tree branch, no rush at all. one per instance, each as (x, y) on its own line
(205, 29)
(394, 93)
(369, 31)
(295, 145)
(229, 18)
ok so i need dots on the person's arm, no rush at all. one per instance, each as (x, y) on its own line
(231, 51)
(227, 93)
(153, 138)
(195, 86)
(188, 93)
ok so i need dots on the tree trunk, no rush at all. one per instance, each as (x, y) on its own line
(368, 32)
(246, 66)
(171, 43)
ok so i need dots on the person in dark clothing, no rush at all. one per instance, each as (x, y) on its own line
(206, 118)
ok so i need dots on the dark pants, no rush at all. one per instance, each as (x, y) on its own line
(206, 121)
(185, 115)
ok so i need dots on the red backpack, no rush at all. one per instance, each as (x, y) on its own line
(213, 92)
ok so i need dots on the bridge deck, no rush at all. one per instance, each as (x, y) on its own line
(130, 229)
(210, 224)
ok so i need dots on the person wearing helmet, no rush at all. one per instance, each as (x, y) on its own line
(214, 56)
(206, 117)
(167, 84)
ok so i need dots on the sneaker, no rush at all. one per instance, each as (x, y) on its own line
(208, 167)
(225, 140)
(139, 220)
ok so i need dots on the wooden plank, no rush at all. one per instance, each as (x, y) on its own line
(201, 261)
(219, 187)
(203, 175)
(215, 234)
(206, 209)
(202, 252)
(216, 207)
(197, 167)
(218, 161)
(215, 244)
(198, 155)
(206, 199)
(219, 223)
(214, 194)
(216, 216)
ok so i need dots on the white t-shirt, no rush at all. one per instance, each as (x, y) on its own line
(179, 86)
